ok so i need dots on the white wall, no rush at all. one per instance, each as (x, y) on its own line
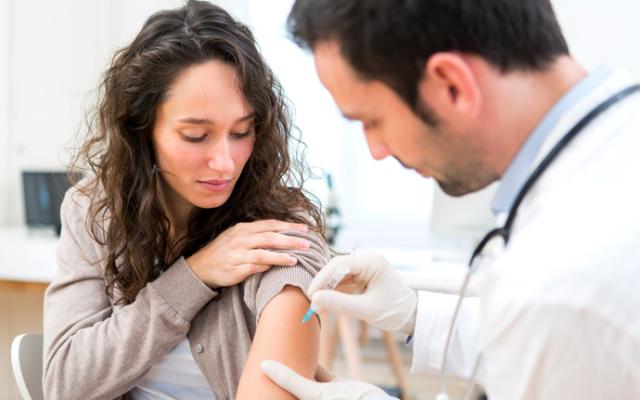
(55, 52)
(51, 54)
(5, 56)
(240, 9)
(602, 31)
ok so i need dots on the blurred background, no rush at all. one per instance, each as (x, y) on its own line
(52, 54)
(51, 58)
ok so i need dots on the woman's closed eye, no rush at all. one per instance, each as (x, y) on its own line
(193, 138)
(200, 137)
(241, 135)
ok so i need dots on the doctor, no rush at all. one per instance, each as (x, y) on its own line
(470, 92)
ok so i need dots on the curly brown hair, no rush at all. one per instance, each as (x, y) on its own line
(118, 153)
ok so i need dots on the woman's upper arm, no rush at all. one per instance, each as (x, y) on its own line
(281, 335)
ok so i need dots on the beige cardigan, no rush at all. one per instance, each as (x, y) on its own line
(95, 350)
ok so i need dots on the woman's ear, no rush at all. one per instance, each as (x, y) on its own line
(449, 87)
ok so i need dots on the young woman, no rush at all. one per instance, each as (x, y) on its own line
(185, 254)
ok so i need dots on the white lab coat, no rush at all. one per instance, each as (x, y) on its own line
(558, 315)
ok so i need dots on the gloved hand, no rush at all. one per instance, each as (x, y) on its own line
(327, 387)
(387, 301)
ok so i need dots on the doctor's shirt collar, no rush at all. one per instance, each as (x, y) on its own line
(519, 169)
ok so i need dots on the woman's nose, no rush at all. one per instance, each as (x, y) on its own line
(219, 158)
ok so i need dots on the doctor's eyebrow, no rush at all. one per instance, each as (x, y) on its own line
(206, 121)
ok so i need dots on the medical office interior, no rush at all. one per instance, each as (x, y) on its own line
(51, 56)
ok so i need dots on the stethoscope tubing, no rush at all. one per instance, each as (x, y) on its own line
(505, 231)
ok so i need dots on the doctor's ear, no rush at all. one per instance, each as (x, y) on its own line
(449, 86)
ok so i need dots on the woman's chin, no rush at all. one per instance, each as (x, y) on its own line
(211, 201)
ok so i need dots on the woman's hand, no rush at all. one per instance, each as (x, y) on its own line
(241, 251)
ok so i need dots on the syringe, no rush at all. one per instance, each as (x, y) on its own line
(337, 276)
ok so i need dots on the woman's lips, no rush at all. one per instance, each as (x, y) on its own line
(215, 185)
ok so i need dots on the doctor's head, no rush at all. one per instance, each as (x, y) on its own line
(430, 79)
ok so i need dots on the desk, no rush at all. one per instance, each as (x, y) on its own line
(437, 270)
(27, 264)
(27, 255)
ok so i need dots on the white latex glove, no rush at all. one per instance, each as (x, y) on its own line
(372, 291)
(327, 386)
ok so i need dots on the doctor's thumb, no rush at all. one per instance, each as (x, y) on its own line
(289, 380)
(332, 300)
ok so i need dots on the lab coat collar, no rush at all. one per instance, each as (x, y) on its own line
(525, 160)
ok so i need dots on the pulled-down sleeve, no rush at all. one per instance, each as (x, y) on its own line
(261, 288)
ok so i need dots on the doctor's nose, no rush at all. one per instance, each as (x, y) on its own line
(377, 148)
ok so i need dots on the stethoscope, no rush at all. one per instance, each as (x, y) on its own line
(504, 232)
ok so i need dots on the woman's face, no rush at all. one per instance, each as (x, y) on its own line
(203, 136)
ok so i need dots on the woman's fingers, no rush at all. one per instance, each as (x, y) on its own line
(274, 240)
(266, 257)
(270, 225)
(261, 263)
(246, 270)
(256, 261)
(241, 251)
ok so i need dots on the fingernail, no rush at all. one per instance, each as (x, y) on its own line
(293, 260)
(304, 244)
(303, 228)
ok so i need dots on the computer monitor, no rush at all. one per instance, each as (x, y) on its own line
(43, 194)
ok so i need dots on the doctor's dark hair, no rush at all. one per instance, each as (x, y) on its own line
(391, 40)
(126, 214)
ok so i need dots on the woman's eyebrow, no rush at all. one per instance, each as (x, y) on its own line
(196, 121)
(206, 121)
(247, 117)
